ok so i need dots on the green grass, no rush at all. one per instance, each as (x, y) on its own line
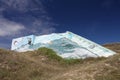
(52, 55)
(49, 53)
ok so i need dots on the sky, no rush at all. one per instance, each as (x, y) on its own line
(96, 20)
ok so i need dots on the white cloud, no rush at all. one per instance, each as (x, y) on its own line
(37, 25)
(23, 11)
(22, 5)
(43, 27)
(9, 28)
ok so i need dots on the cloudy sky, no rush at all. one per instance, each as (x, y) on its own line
(97, 20)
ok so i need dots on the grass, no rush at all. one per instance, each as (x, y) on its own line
(49, 53)
(45, 64)
(111, 71)
(52, 55)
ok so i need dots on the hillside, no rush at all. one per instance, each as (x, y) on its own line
(42, 64)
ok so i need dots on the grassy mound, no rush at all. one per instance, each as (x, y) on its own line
(110, 69)
(45, 64)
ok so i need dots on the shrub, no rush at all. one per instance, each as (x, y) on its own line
(49, 53)
(53, 55)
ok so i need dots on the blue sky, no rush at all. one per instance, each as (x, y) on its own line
(97, 20)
